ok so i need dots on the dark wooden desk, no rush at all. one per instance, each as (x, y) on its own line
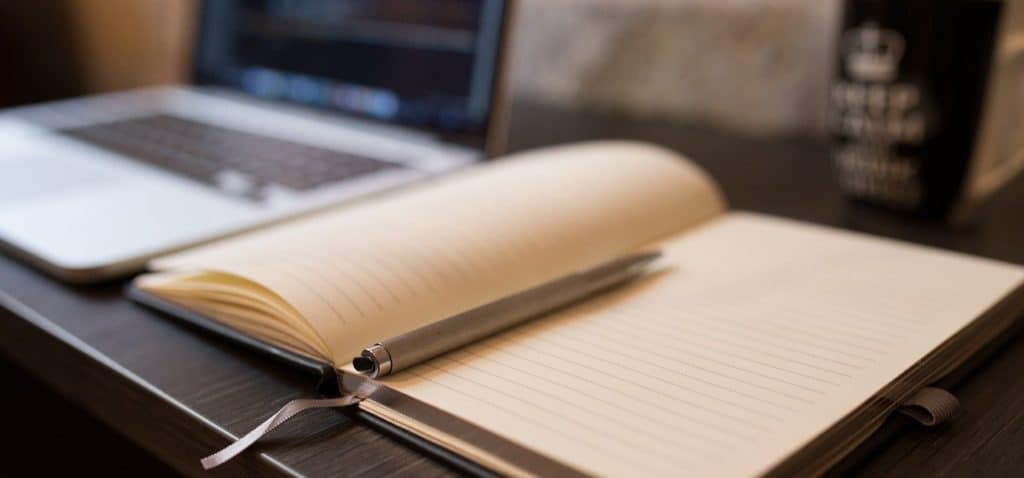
(178, 392)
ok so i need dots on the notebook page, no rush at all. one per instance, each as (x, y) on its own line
(761, 334)
(369, 272)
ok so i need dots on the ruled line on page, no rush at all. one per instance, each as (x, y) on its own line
(707, 324)
(300, 279)
(610, 442)
(686, 345)
(522, 411)
(546, 390)
(587, 341)
(462, 241)
(560, 358)
(341, 263)
(657, 370)
(740, 427)
(736, 337)
(706, 351)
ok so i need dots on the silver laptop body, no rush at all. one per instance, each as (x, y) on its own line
(93, 187)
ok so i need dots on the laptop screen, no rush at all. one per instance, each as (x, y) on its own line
(429, 64)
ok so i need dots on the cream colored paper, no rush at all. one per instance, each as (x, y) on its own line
(362, 274)
(760, 335)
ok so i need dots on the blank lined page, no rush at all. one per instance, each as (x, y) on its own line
(759, 335)
(362, 274)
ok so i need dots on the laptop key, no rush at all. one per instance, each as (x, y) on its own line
(223, 157)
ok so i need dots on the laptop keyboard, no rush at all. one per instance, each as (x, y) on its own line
(241, 163)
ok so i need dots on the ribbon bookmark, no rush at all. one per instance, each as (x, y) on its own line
(286, 412)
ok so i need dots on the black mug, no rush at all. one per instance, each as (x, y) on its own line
(926, 107)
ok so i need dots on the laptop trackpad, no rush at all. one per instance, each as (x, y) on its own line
(80, 209)
(28, 178)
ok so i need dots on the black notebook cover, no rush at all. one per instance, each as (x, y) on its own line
(331, 382)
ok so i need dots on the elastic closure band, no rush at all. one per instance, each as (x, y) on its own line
(931, 406)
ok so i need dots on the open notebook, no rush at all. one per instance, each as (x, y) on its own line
(759, 345)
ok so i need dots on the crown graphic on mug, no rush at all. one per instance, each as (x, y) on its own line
(872, 53)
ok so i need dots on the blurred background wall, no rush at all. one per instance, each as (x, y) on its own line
(760, 66)
(60, 48)
(757, 66)
(128, 43)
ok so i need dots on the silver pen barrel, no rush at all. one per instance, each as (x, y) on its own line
(422, 344)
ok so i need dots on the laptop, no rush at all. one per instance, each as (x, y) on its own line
(293, 106)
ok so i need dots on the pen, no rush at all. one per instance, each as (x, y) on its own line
(411, 348)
